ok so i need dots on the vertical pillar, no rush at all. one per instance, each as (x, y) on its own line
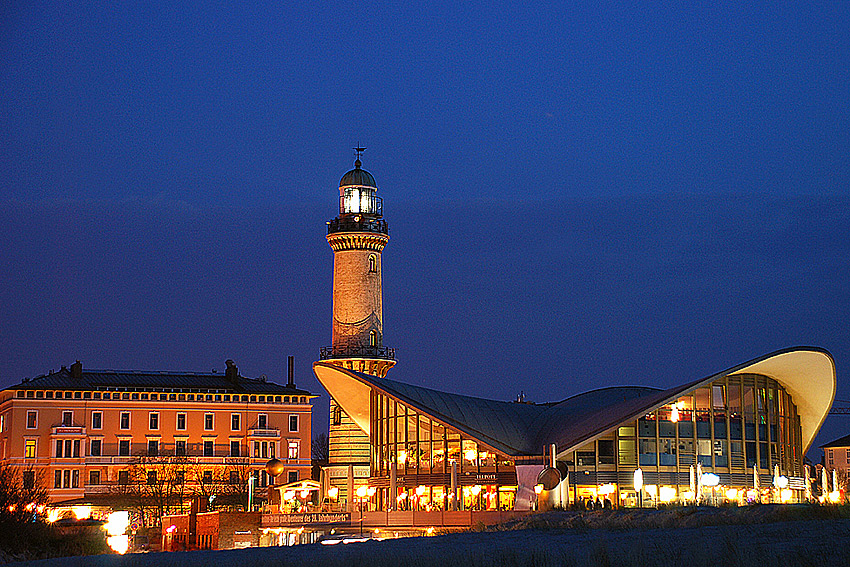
(349, 503)
(393, 486)
(454, 485)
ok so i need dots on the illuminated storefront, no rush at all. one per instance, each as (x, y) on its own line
(739, 435)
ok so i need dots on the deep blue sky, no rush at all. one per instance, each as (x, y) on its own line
(578, 196)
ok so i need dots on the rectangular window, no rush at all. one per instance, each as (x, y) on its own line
(153, 447)
(234, 422)
(75, 479)
(207, 477)
(181, 421)
(59, 445)
(180, 448)
(76, 448)
(32, 419)
(125, 420)
(234, 448)
(124, 447)
(94, 477)
(97, 420)
(292, 449)
(208, 421)
(68, 452)
(151, 478)
(208, 448)
(234, 477)
(256, 449)
(153, 420)
(123, 477)
(67, 418)
(293, 423)
(262, 421)
(95, 447)
(293, 476)
(28, 478)
(66, 478)
(29, 449)
(57, 479)
(180, 477)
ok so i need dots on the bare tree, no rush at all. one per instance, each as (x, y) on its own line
(320, 448)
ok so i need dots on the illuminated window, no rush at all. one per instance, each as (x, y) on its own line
(373, 338)
(2, 423)
(373, 263)
(32, 419)
(292, 450)
(29, 448)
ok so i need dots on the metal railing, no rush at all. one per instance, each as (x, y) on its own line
(349, 224)
(357, 351)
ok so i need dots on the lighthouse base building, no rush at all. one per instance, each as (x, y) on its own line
(737, 436)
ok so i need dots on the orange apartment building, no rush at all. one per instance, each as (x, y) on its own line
(81, 431)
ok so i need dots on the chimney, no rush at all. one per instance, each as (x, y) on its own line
(232, 371)
(291, 382)
(77, 370)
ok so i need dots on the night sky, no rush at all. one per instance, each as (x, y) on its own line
(578, 196)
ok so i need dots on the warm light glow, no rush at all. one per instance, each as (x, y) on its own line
(171, 528)
(53, 515)
(430, 531)
(651, 489)
(638, 479)
(333, 492)
(538, 488)
(119, 543)
(476, 490)
(709, 479)
(421, 490)
(361, 491)
(781, 482)
(667, 494)
(289, 495)
(41, 509)
(402, 457)
(732, 494)
(752, 494)
(674, 415)
(371, 491)
(688, 495)
(305, 493)
(786, 494)
(470, 455)
(401, 496)
(117, 523)
(82, 512)
(607, 489)
(835, 497)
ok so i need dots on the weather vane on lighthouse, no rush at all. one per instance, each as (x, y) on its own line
(359, 151)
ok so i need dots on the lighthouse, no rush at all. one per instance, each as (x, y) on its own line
(357, 237)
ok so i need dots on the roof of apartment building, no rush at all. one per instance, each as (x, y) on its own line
(229, 381)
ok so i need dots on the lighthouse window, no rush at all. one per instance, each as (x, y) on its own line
(373, 338)
(373, 263)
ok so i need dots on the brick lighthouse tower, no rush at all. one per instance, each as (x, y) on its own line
(357, 237)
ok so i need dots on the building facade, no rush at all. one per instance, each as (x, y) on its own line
(96, 434)
(836, 454)
(744, 427)
(357, 237)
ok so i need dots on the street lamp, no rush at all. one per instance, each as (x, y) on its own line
(638, 482)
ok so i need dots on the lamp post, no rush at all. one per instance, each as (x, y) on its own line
(638, 482)
(364, 492)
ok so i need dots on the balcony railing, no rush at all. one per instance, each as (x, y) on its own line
(357, 351)
(263, 432)
(349, 224)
